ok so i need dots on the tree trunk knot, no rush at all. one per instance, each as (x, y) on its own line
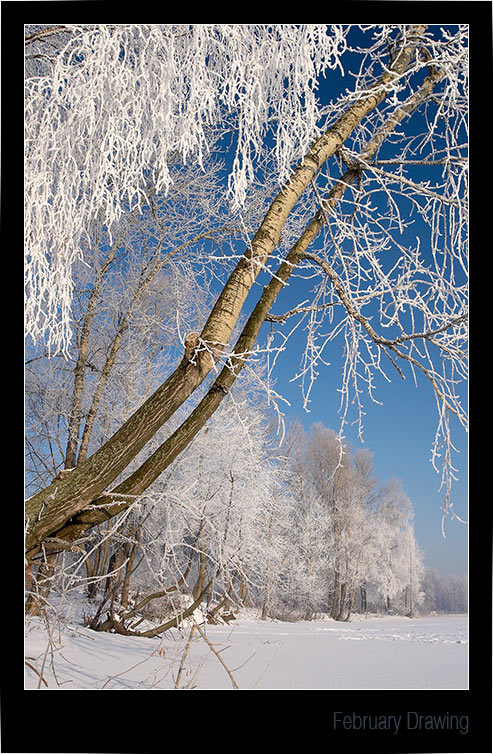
(61, 475)
(191, 343)
(219, 389)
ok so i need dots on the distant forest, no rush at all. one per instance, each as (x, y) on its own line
(444, 594)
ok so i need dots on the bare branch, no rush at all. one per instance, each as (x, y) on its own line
(45, 33)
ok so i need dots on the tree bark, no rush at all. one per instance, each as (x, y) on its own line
(129, 569)
(79, 372)
(40, 586)
(268, 574)
(363, 602)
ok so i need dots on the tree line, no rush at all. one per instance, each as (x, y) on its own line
(293, 529)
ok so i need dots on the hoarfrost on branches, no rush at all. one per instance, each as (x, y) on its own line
(108, 107)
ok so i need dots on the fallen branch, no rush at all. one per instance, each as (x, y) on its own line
(214, 651)
(184, 656)
(36, 671)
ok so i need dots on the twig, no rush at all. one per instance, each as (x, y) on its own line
(184, 656)
(127, 670)
(265, 669)
(45, 32)
(212, 648)
(37, 673)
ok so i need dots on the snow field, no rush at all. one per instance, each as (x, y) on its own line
(374, 653)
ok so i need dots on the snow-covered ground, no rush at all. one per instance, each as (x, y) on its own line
(367, 653)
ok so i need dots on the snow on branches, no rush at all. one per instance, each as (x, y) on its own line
(107, 106)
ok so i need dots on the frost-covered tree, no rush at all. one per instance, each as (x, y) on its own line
(333, 530)
(202, 525)
(358, 531)
(307, 552)
(397, 570)
(130, 308)
(448, 594)
(338, 543)
(413, 593)
(109, 106)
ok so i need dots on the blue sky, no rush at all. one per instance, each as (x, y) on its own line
(400, 432)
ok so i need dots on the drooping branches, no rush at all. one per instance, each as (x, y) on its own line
(107, 105)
